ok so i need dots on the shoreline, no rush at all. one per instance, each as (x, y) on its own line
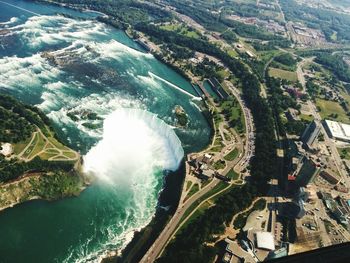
(29, 182)
(143, 237)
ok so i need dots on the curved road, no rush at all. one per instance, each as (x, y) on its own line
(159, 244)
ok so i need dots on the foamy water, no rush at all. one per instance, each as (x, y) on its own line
(103, 73)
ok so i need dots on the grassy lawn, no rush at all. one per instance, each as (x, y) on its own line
(231, 155)
(200, 211)
(221, 164)
(31, 147)
(232, 53)
(305, 117)
(70, 155)
(46, 155)
(19, 147)
(220, 186)
(233, 175)
(194, 189)
(344, 153)
(330, 107)
(181, 29)
(188, 185)
(283, 74)
(39, 146)
(58, 145)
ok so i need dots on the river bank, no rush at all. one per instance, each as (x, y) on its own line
(105, 206)
(49, 186)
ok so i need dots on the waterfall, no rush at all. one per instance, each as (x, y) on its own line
(135, 144)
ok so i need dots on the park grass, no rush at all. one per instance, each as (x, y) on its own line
(344, 153)
(60, 158)
(231, 155)
(46, 155)
(19, 147)
(188, 185)
(221, 164)
(58, 145)
(232, 53)
(283, 74)
(194, 189)
(223, 73)
(181, 29)
(305, 117)
(327, 108)
(232, 175)
(70, 155)
(53, 151)
(40, 145)
(31, 147)
(219, 187)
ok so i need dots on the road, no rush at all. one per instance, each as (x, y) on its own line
(160, 243)
(250, 137)
(327, 140)
(162, 239)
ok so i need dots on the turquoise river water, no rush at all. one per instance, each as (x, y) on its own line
(76, 65)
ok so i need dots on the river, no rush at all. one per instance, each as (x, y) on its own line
(75, 66)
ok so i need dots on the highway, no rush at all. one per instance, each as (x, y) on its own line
(165, 235)
(160, 243)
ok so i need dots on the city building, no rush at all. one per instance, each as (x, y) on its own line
(265, 240)
(310, 135)
(329, 177)
(338, 130)
(306, 172)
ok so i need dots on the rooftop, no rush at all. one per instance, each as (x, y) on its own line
(265, 240)
(339, 130)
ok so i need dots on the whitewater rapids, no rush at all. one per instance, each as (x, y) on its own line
(134, 143)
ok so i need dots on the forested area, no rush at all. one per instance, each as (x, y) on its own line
(287, 60)
(189, 244)
(13, 128)
(125, 11)
(23, 113)
(11, 170)
(262, 164)
(17, 123)
(335, 64)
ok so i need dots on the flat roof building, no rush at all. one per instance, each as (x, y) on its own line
(265, 240)
(338, 130)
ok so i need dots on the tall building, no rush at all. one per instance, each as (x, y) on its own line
(309, 137)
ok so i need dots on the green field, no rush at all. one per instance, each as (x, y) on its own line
(232, 175)
(31, 147)
(181, 29)
(305, 117)
(329, 108)
(344, 153)
(39, 146)
(283, 74)
(194, 189)
(19, 147)
(231, 155)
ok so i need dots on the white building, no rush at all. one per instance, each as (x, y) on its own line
(265, 240)
(338, 130)
(6, 149)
